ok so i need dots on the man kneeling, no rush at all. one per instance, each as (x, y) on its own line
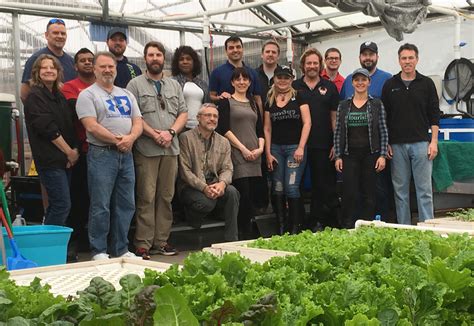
(205, 170)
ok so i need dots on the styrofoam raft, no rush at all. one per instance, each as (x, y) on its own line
(67, 279)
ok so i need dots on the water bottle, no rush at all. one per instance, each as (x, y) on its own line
(378, 218)
(19, 221)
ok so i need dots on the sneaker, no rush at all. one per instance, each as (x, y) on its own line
(142, 252)
(101, 256)
(165, 250)
(128, 254)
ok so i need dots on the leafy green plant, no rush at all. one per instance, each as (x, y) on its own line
(466, 215)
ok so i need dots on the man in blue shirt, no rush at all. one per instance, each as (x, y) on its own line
(368, 58)
(219, 82)
(117, 44)
(56, 36)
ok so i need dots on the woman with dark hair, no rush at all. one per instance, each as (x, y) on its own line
(51, 133)
(360, 148)
(185, 68)
(240, 122)
(287, 126)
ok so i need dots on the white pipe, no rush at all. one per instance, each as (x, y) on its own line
(289, 46)
(89, 12)
(205, 33)
(457, 27)
(380, 224)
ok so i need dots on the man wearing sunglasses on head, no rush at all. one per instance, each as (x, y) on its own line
(165, 114)
(56, 36)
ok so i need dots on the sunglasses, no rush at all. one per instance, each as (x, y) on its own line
(55, 21)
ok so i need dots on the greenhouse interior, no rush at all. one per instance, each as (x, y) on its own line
(237, 162)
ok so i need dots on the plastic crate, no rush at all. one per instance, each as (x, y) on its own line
(67, 279)
(46, 245)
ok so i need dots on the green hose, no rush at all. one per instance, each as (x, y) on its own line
(5, 204)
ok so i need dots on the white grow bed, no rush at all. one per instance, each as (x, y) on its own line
(448, 222)
(262, 255)
(67, 279)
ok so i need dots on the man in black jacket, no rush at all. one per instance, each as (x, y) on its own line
(412, 106)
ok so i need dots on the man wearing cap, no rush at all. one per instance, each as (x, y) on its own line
(205, 184)
(412, 106)
(56, 36)
(323, 99)
(164, 110)
(332, 58)
(219, 82)
(117, 44)
(368, 58)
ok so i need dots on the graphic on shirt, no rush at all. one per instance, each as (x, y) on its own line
(285, 115)
(357, 119)
(118, 106)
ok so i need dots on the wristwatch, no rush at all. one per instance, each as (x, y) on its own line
(172, 132)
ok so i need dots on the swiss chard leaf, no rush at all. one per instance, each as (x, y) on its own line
(101, 293)
(171, 308)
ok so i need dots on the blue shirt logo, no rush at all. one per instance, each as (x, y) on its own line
(119, 104)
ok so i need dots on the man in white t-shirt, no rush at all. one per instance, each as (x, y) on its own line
(113, 122)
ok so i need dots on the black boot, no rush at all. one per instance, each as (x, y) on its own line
(279, 207)
(295, 214)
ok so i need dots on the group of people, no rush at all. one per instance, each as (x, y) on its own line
(121, 141)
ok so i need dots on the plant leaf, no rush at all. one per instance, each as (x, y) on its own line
(172, 309)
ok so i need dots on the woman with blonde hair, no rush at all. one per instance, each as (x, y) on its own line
(49, 122)
(287, 124)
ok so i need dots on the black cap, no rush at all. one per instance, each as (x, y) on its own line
(361, 71)
(369, 46)
(283, 70)
(116, 30)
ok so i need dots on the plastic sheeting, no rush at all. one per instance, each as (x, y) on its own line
(396, 16)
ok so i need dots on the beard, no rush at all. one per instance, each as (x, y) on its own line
(154, 68)
(369, 65)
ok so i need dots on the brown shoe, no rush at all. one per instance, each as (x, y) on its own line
(142, 252)
(165, 250)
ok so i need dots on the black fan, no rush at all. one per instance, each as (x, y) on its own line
(459, 83)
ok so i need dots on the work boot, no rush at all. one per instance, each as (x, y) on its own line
(295, 214)
(279, 207)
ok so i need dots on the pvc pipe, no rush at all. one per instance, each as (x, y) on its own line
(19, 104)
(379, 224)
(289, 46)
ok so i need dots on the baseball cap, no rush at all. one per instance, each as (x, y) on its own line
(361, 71)
(369, 46)
(283, 70)
(116, 30)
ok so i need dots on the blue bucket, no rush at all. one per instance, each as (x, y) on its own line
(46, 245)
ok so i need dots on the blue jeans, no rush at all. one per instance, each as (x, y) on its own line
(111, 177)
(407, 159)
(286, 177)
(57, 183)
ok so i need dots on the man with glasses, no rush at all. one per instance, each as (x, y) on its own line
(205, 169)
(333, 59)
(164, 110)
(117, 44)
(56, 36)
(113, 122)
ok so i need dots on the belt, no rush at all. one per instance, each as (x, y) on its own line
(107, 147)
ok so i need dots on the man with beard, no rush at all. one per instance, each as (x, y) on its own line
(113, 122)
(323, 99)
(117, 44)
(156, 152)
(56, 36)
(79, 192)
(219, 82)
(412, 106)
(204, 185)
(368, 58)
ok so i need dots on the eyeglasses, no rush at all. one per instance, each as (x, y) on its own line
(333, 59)
(55, 21)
